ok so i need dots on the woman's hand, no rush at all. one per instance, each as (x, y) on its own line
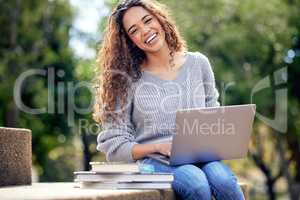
(163, 148)
(139, 151)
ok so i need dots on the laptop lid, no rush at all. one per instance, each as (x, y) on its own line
(213, 133)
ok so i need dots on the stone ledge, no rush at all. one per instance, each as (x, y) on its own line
(67, 191)
(15, 156)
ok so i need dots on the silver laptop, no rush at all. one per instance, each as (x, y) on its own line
(209, 134)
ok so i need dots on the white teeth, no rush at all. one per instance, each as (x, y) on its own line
(151, 38)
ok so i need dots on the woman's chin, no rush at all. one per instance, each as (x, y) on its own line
(152, 49)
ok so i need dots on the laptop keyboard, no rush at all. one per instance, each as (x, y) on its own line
(159, 156)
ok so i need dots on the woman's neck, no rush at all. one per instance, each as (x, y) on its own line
(158, 60)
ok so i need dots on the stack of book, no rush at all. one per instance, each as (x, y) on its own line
(118, 175)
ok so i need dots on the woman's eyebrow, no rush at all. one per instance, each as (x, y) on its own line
(134, 24)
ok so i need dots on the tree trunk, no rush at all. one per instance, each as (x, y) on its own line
(293, 183)
(295, 191)
(12, 113)
(86, 151)
(12, 116)
(271, 192)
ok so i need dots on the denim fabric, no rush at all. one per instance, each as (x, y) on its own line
(201, 181)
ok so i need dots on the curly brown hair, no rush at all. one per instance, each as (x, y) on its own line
(119, 60)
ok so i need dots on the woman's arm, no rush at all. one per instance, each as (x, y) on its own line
(140, 151)
(117, 137)
(211, 92)
(117, 141)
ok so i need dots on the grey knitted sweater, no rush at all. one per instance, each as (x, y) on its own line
(152, 103)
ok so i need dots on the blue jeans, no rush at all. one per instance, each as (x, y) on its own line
(201, 181)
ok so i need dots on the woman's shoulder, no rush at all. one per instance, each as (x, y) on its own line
(201, 61)
(197, 55)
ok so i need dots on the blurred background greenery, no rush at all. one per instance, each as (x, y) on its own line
(246, 42)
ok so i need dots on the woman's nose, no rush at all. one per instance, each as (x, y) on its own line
(146, 30)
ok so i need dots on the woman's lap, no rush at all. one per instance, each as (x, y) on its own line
(189, 181)
(194, 180)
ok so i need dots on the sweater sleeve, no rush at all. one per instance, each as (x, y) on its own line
(116, 140)
(211, 92)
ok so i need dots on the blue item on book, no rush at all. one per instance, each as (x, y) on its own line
(146, 168)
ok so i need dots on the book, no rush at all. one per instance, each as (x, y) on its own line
(121, 175)
(92, 176)
(121, 167)
(115, 167)
(133, 185)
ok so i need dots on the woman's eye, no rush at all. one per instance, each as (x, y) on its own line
(132, 32)
(148, 20)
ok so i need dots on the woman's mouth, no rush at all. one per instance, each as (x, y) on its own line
(152, 38)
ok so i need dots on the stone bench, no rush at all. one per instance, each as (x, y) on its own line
(67, 191)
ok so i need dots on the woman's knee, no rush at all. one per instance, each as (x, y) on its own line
(222, 180)
(191, 183)
(218, 174)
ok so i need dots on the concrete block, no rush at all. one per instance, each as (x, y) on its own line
(15, 156)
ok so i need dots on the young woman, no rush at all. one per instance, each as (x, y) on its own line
(146, 75)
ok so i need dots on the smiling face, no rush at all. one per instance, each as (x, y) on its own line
(144, 29)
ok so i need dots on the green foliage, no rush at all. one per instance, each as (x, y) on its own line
(247, 41)
(35, 35)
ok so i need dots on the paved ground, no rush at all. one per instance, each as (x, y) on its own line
(68, 191)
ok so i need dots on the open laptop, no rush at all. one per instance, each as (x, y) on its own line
(209, 134)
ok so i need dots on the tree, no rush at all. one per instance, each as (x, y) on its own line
(246, 42)
(35, 35)
(293, 136)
